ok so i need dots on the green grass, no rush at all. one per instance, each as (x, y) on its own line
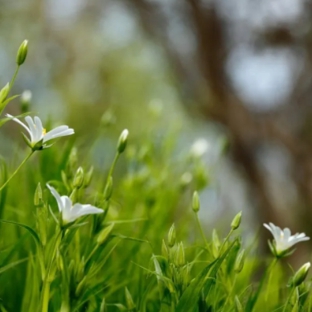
(131, 257)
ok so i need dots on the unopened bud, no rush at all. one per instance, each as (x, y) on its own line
(22, 53)
(236, 221)
(240, 261)
(4, 92)
(171, 236)
(180, 255)
(122, 142)
(129, 300)
(73, 196)
(238, 305)
(38, 199)
(108, 191)
(88, 177)
(215, 243)
(78, 179)
(25, 100)
(80, 287)
(164, 249)
(195, 202)
(301, 275)
(105, 233)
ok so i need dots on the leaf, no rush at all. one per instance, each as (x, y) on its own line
(26, 227)
(12, 264)
(6, 102)
(3, 178)
(206, 278)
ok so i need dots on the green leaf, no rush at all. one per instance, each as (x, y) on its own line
(12, 264)
(26, 227)
(205, 279)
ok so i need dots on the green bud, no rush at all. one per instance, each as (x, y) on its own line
(301, 275)
(88, 177)
(38, 199)
(164, 249)
(122, 142)
(25, 101)
(240, 261)
(129, 300)
(108, 191)
(238, 305)
(80, 287)
(4, 92)
(105, 233)
(103, 306)
(215, 243)
(195, 202)
(171, 236)
(22, 53)
(236, 221)
(74, 195)
(78, 179)
(180, 255)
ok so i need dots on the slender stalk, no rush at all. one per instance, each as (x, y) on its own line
(201, 231)
(15, 172)
(45, 295)
(13, 78)
(111, 169)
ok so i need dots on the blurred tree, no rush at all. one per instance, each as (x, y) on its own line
(200, 38)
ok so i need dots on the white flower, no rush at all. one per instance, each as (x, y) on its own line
(199, 147)
(69, 211)
(283, 240)
(38, 135)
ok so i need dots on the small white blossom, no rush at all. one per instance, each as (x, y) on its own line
(38, 135)
(69, 211)
(199, 147)
(283, 240)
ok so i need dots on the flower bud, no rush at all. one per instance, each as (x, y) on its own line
(122, 142)
(78, 179)
(215, 243)
(80, 287)
(22, 53)
(301, 275)
(195, 202)
(38, 199)
(240, 261)
(171, 236)
(108, 188)
(73, 196)
(164, 249)
(180, 255)
(236, 221)
(105, 233)
(129, 300)
(4, 92)
(88, 177)
(238, 305)
(25, 100)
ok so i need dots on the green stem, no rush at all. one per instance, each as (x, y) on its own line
(15, 172)
(288, 299)
(224, 242)
(13, 78)
(201, 231)
(45, 295)
(111, 169)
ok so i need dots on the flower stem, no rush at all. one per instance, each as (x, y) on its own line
(15, 172)
(201, 231)
(13, 78)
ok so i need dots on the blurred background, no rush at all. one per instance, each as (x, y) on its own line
(229, 81)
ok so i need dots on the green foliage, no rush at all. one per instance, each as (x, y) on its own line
(137, 254)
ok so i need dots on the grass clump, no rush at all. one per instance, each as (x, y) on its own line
(74, 239)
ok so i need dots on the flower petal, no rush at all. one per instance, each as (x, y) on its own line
(58, 132)
(19, 122)
(57, 196)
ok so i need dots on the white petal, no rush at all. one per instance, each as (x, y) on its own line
(57, 197)
(19, 122)
(79, 210)
(58, 132)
